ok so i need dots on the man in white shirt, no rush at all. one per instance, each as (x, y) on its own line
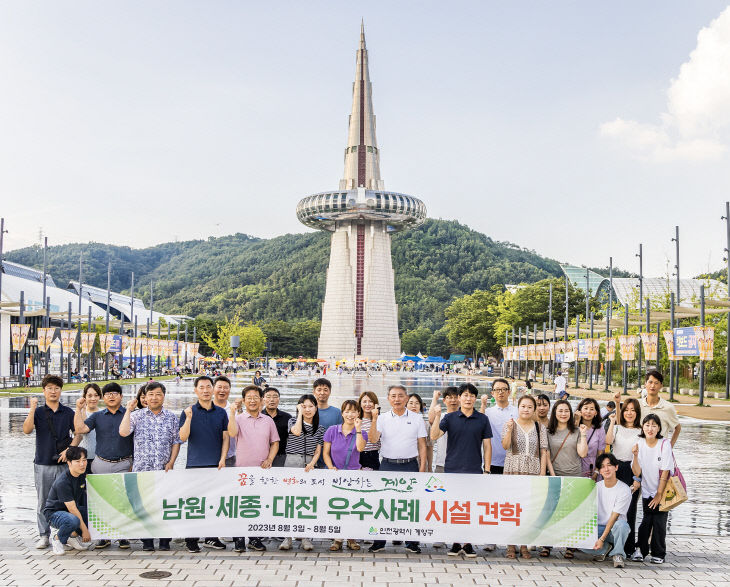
(653, 404)
(560, 383)
(498, 414)
(614, 499)
(402, 436)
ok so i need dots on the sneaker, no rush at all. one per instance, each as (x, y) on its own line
(637, 557)
(256, 544)
(376, 548)
(656, 560)
(413, 548)
(226, 539)
(599, 558)
(490, 547)
(455, 549)
(192, 546)
(75, 543)
(56, 545)
(42, 543)
(307, 544)
(124, 544)
(285, 544)
(618, 561)
(214, 543)
(468, 551)
(439, 544)
(239, 545)
(102, 543)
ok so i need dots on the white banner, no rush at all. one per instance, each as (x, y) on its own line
(248, 501)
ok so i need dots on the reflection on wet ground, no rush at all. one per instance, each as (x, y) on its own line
(699, 451)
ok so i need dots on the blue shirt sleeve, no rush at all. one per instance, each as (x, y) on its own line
(487, 430)
(444, 423)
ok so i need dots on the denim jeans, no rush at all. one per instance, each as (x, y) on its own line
(616, 539)
(66, 523)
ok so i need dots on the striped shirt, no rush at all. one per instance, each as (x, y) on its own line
(305, 443)
(366, 424)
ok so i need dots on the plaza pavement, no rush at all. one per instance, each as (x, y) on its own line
(693, 560)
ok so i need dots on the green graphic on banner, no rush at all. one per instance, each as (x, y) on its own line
(511, 509)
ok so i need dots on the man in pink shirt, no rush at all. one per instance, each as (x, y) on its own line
(257, 442)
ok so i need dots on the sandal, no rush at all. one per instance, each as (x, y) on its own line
(569, 553)
(525, 552)
(353, 545)
(545, 552)
(336, 546)
(511, 552)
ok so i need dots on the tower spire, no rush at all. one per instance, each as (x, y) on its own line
(362, 159)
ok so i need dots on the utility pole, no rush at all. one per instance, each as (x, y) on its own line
(544, 345)
(590, 374)
(609, 309)
(626, 332)
(108, 303)
(671, 363)
(678, 301)
(640, 255)
(726, 218)
(587, 315)
(81, 275)
(702, 361)
(2, 235)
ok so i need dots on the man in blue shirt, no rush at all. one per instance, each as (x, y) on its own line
(328, 415)
(113, 451)
(54, 426)
(469, 434)
(204, 426)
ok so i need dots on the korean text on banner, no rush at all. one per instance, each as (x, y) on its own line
(627, 342)
(105, 341)
(514, 509)
(686, 343)
(18, 335)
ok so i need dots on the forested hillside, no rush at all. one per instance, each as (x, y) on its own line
(283, 278)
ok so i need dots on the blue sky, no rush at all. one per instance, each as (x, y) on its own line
(577, 129)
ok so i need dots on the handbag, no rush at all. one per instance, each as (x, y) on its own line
(675, 491)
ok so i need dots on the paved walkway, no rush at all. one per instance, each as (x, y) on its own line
(693, 560)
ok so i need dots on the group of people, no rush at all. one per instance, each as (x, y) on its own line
(524, 437)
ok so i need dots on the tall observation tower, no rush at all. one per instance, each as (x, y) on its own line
(359, 313)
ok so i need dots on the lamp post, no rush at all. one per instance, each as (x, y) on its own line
(726, 218)
(609, 312)
(235, 343)
(2, 235)
(640, 255)
(678, 301)
(672, 381)
(702, 361)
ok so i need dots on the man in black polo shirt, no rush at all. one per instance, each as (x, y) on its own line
(113, 451)
(54, 425)
(469, 434)
(204, 426)
(65, 508)
(281, 421)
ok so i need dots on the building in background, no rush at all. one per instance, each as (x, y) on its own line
(359, 313)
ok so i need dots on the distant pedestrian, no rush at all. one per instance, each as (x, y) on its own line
(560, 385)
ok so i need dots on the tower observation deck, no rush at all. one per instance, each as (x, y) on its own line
(359, 313)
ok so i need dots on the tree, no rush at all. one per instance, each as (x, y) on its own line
(415, 341)
(252, 338)
(438, 344)
(470, 321)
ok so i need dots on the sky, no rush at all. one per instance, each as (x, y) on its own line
(575, 129)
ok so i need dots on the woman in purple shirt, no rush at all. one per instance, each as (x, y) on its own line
(342, 446)
(588, 413)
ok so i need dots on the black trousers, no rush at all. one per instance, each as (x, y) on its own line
(370, 459)
(627, 476)
(411, 467)
(654, 524)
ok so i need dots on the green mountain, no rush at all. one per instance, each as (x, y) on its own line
(283, 278)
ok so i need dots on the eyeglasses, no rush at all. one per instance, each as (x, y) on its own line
(500, 389)
(112, 393)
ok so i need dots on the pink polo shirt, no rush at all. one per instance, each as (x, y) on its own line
(254, 439)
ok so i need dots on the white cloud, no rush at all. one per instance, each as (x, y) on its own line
(696, 125)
